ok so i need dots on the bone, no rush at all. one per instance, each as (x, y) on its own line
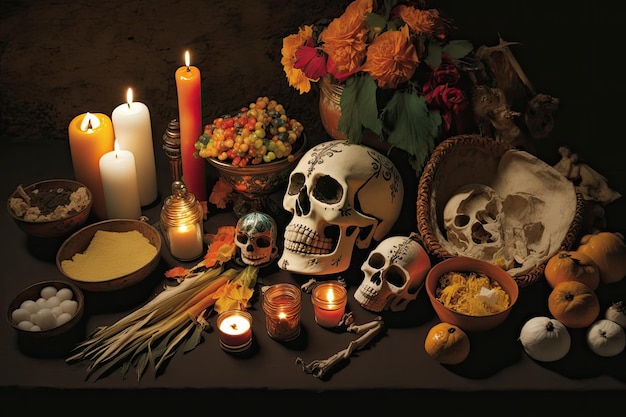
(321, 367)
(307, 287)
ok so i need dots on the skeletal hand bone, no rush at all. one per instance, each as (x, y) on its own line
(321, 367)
(307, 287)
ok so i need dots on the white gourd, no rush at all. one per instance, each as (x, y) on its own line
(616, 312)
(545, 339)
(606, 338)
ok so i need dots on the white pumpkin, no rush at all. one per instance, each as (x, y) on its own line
(606, 338)
(616, 312)
(545, 339)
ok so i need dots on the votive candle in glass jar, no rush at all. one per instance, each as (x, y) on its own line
(329, 303)
(182, 223)
(235, 330)
(282, 304)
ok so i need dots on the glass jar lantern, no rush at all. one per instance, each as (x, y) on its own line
(282, 304)
(182, 223)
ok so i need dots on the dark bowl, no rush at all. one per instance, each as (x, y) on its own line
(57, 226)
(57, 340)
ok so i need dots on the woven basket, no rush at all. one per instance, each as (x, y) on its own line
(442, 175)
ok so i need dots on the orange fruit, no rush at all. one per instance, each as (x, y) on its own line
(572, 266)
(574, 304)
(446, 343)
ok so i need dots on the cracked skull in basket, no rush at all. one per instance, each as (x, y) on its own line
(473, 220)
(341, 196)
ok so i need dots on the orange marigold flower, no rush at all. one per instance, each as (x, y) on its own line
(296, 77)
(345, 38)
(221, 193)
(391, 58)
(422, 22)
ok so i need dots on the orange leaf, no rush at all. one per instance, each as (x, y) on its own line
(177, 271)
(221, 246)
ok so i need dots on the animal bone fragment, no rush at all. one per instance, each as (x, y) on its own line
(368, 331)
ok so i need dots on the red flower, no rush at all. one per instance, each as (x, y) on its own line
(451, 103)
(311, 61)
(446, 73)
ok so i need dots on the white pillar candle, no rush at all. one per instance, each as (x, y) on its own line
(133, 131)
(186, 241)
(119, 183)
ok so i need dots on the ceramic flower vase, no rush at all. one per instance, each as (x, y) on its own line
(329, 106)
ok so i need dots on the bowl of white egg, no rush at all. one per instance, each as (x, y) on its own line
(47, 317)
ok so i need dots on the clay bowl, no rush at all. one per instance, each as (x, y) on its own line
(259, 180)
(254, 183)
(467, 322)
(80, 241)
(52, 341)
(59, 225)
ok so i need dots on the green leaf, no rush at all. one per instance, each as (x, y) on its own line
(178, 337)
(359, 109)
(375, 21)
(434, 55)
(457, 49)
(95, 372)
(142, 364)
(141, 358)
(164, 342)
(194, 340)
(124, 369)
(411, 125)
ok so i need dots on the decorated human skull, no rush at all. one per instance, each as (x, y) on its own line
(394, 273)
(473, 221)
(341, 196)
(256, 238)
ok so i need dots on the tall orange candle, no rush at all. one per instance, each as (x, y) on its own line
(91, 136)
(190, 119)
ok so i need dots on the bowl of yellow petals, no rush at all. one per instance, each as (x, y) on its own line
(472, 294)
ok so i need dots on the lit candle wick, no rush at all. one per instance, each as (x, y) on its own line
(129, 97)
(187, 61)
(234, 326)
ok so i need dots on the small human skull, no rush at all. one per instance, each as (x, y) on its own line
(473, 221)
(256, 238)
(342, 196)
(394, 273)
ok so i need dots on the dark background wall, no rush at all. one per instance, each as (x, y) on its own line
(62, 58)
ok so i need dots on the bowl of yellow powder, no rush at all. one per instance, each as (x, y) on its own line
(470, 293)
(110, 255)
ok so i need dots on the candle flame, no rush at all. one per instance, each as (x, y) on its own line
(116, 147)
(187, 60)
(129, 96)
(330, 295)
(89, 123)
(282, 315)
